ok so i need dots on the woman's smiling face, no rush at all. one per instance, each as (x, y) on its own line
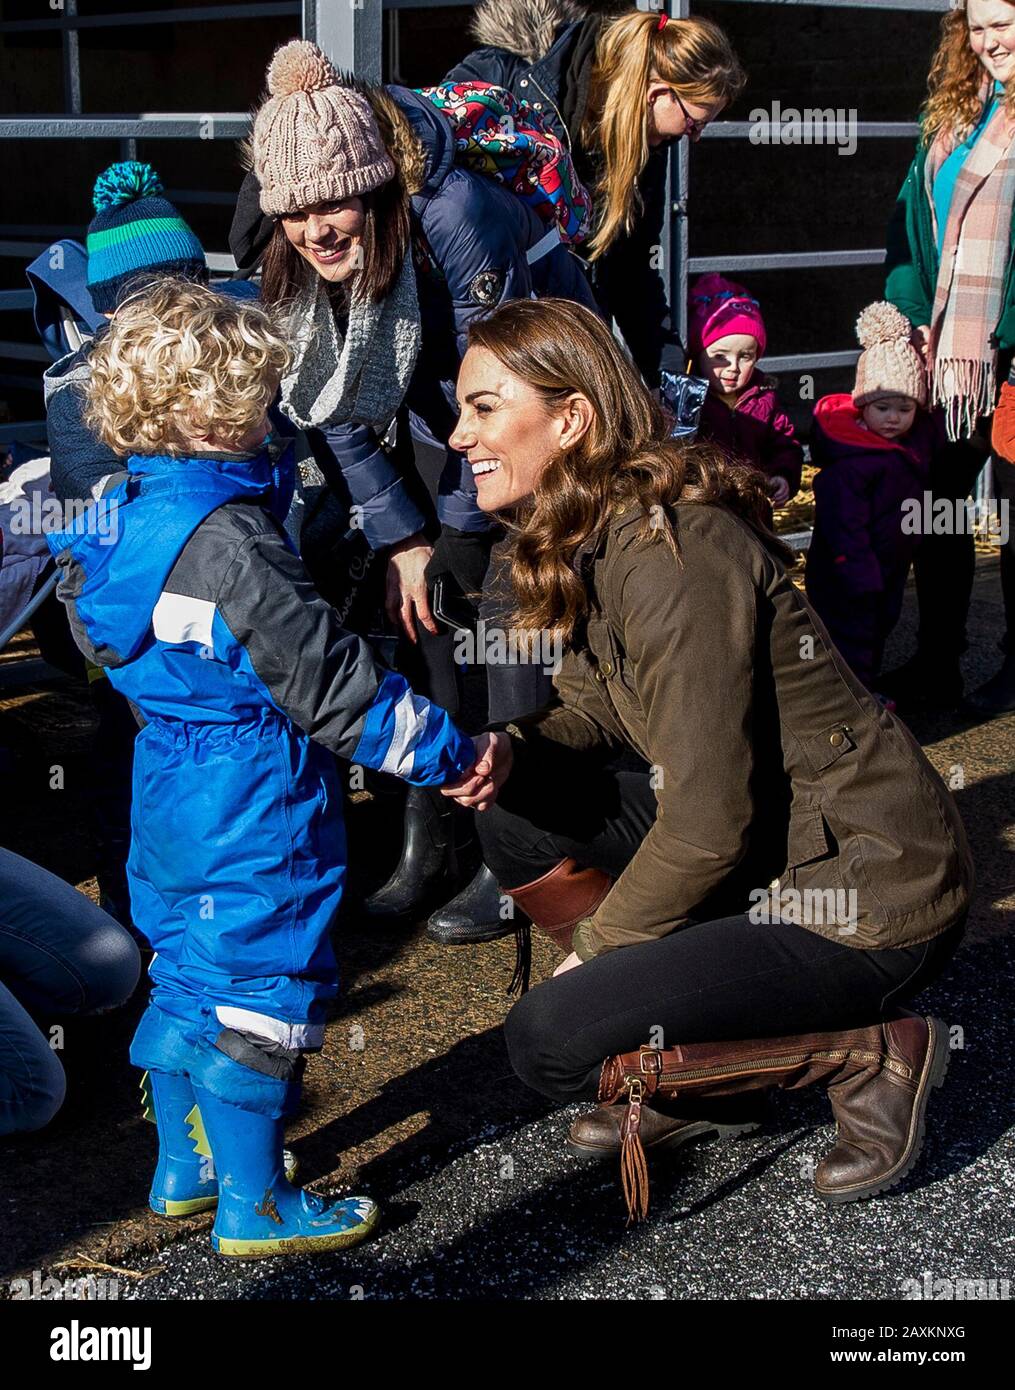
(508, 431)
(330, 237)
(992, 36)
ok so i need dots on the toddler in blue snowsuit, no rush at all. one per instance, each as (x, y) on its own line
(192, 598)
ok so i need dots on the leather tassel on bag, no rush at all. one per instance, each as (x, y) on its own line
(633, 1164)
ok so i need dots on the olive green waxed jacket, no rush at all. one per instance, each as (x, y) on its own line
(782, 785)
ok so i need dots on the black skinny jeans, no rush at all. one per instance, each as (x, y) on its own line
(708, 982)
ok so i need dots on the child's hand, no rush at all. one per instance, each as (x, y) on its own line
(479, 786)
(778, 490)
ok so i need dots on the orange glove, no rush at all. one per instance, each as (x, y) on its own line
(1002, 431)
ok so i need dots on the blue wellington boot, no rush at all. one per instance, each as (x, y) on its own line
(260, 1213)
(185, 1180)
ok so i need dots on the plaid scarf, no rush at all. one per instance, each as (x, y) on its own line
(971, 276)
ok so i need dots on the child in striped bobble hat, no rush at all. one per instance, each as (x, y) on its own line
(136, 231)
(873, 450)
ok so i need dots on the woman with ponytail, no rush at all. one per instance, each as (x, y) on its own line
(951, 255)
(617, 90)
(785, 864)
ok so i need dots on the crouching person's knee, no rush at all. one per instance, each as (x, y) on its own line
(111, 968)
(533, 1043)
(31, 1094)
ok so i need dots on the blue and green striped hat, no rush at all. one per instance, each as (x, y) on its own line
(134, 230)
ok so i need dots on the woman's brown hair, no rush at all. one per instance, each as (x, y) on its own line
(625, 457)
(955, 85)
(692, 56)
(386, 234)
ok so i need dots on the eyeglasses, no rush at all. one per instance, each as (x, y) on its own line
(692, 126)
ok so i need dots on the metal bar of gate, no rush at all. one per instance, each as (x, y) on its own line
(350, 34)
(130, 19)
(170, 125)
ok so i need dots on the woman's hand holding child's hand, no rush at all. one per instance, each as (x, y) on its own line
(479, 786)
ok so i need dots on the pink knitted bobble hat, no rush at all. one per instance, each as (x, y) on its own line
(889, 365)
(315, 141)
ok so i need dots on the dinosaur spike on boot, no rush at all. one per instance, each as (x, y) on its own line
(185, 1182)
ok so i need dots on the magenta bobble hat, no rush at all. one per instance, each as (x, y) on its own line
(315, 141)
(718, 308)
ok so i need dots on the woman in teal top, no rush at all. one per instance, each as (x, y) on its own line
(949, 261)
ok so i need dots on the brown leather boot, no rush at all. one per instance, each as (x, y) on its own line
(886, 1131)
(879, 1112)
(562, 898)
(597, 1133)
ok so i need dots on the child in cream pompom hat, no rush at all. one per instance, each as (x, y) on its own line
(873, 449)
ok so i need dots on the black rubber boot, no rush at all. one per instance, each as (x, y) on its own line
(996, 696)
(428, 865)
(474, 915)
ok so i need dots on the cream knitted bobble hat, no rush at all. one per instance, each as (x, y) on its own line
(315, 141)
(889, 365)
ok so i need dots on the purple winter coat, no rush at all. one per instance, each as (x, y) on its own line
(860, 555)
(756, 430)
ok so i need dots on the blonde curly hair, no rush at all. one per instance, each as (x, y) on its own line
(179, 363)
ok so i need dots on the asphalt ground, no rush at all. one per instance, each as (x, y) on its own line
(413, 1102)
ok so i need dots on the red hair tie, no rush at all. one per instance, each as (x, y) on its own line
(664, 19)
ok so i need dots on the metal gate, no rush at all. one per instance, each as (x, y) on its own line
(350, 31)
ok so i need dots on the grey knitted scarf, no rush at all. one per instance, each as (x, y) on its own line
(363, 377)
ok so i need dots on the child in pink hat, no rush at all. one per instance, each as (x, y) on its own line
(741, 412)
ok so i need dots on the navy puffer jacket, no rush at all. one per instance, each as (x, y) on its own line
(474, 239)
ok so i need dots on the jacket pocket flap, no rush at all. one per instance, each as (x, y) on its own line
(825, 748)
(806, 839)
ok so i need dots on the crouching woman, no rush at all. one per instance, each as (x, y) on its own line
(783, 872)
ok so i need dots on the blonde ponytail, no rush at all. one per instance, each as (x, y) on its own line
(693, 56)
